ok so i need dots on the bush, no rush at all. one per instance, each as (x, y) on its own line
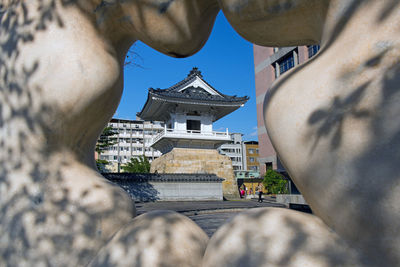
(274, 183)
(137, 165)
(101, 165)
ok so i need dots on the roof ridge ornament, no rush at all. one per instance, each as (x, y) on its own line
(195, 71)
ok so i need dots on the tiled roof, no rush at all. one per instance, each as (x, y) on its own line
(194, 92)
(162, 177)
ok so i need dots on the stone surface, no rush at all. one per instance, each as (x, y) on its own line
(333, 121)
(277, 23)
(276, 237)
(157, 238)
(61, 79)
(189, 160)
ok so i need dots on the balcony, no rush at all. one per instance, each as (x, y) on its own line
(192, 134)
(171, 138)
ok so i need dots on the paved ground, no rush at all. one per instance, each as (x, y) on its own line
(210, 222)
(209, 215)
(193, 207)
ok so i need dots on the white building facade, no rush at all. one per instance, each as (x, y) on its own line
(236, 151)
(189, 109)
(132, 139)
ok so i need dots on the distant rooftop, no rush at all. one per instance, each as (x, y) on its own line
(251, 142)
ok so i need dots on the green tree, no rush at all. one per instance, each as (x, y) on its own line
(105, 141)
(274, 182)
(137, 165)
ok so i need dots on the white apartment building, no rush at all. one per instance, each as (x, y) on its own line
(133, 139)
(236, 151)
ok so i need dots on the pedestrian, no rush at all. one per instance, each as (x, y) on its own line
(242, 193)
(260, 192)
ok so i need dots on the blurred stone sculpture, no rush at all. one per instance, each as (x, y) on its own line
(157, 238)
(277, 237)
(61, 78)
(333, 122)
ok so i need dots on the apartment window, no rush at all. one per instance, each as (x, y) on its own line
(257, 151)
(251, 151)
(286, 63)
(251, 159)
(312, 50)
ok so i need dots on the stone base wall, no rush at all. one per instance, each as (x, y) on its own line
(159, 191)
(290, 199)
(189, 160)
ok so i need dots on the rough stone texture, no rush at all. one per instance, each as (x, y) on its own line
(61, 79)
(277, 237)
(157, 238)
(333, 121)
(189, 160)
(277, 23)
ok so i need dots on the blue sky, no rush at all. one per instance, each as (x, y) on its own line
(226, 62)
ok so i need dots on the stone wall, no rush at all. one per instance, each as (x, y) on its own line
(168, 187)
(189, 160)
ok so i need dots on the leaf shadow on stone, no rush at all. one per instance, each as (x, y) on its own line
(282, 247)
(40, 223)
(371, 177)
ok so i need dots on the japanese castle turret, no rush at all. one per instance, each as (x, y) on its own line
(188, 141)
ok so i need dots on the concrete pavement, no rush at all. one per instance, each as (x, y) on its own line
(197, 207)
(209, 215)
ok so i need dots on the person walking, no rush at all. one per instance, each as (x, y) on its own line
(260, 192)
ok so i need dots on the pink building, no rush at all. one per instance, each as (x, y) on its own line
(269, 64)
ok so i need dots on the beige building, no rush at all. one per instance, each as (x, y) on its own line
(252, 154)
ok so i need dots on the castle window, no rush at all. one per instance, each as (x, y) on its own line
(193, 125)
